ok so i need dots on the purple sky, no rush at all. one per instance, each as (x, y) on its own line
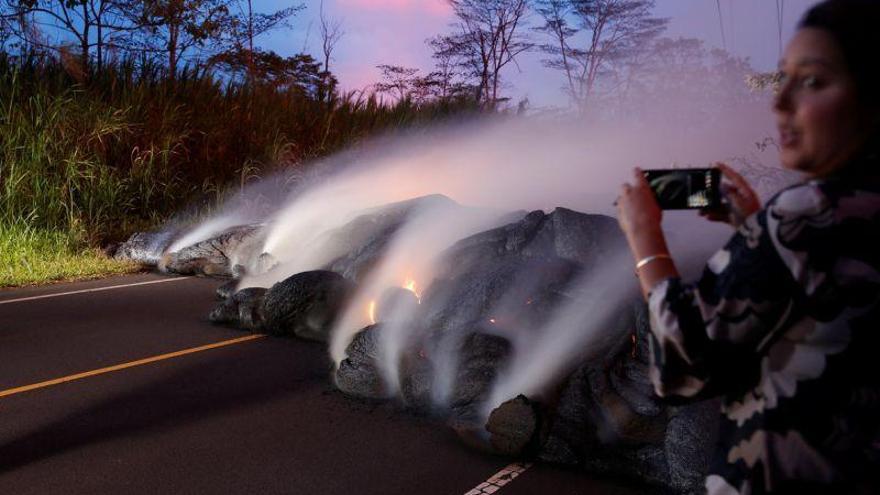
(393, 32)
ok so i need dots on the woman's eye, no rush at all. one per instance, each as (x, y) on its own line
(810, 82)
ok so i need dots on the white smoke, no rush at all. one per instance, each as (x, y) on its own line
(492, 167)
(575, 332)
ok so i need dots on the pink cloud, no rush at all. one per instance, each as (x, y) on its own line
(434, 7)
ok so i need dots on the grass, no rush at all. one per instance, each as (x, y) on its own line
(30, 257)
(87, 163)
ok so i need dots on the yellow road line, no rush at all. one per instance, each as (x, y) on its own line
(131, 364)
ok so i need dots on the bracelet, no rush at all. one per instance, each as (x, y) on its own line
(654, 257)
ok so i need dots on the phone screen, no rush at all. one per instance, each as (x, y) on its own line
(685, 188)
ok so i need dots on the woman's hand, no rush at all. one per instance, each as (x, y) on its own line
(637, 211)
(742, 200)
(639, 217)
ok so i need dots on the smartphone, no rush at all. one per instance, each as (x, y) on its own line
(686, 188)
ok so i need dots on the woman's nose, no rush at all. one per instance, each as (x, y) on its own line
(782, 100)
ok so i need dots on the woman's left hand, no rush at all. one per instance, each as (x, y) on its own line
(639, 217)
(638, 212)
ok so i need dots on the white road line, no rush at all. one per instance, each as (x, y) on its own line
(99, 289)
(500, 479)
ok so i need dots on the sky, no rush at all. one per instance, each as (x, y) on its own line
(394, 32)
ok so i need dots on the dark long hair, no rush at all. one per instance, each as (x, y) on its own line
(855, 25)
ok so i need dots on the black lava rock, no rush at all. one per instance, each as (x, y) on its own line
(218, 255)
(306, 304)
(358, 374)
(242, 309)
(480, 356)
(145, 247)
(515, 427)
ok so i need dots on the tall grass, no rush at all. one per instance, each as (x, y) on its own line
(95, 160)
(29, 255)
(128, 147)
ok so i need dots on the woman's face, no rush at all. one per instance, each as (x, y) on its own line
(816, 107)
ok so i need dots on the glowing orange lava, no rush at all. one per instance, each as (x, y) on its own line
(371, 312)
(410, 285)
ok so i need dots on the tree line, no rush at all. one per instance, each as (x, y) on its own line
(603, 49)
(215, 35)
(607, 52)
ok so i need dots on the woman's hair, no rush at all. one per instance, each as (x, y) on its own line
(855, 25)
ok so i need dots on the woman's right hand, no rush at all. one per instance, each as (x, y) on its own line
(742, 200)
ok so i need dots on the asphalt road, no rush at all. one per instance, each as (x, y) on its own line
(257, 416)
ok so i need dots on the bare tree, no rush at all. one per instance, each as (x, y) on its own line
(112, 25)
(21, 27)
(331, 33)
(488, 37)
(557, 14)
(173, 27)
(243, 25)
(87, 23)
(448, 80)
(590, 36)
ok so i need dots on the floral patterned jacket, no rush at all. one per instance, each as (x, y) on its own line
(784, 324)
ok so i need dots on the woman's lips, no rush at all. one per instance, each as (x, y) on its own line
(788, 137)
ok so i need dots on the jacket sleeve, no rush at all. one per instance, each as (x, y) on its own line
(707, 338)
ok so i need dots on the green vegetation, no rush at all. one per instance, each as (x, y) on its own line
(31, 256)
(83, 164)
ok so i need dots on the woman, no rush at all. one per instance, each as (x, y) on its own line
(784, 323)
